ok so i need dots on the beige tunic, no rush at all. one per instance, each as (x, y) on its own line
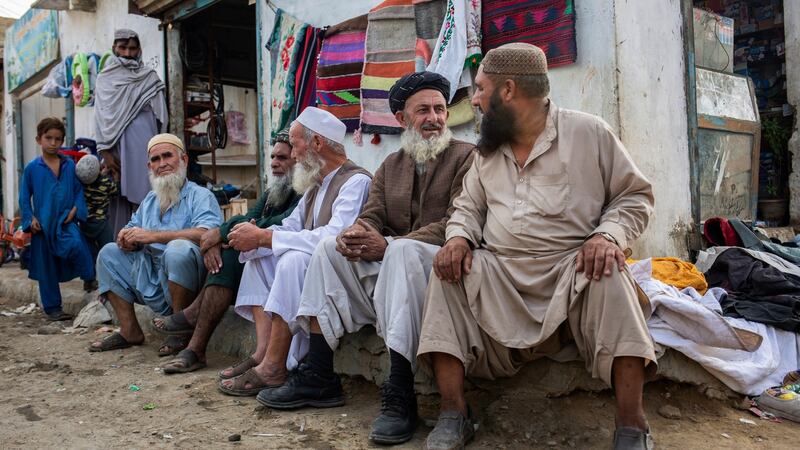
(578, 180)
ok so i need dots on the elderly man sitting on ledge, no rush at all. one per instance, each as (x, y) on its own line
(156, 260)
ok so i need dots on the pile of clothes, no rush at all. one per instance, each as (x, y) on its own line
(736, 312)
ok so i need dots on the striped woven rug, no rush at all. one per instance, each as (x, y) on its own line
(548, 24)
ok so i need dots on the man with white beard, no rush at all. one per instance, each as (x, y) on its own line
(199, 320)
(334, 192)
(156, 260)
(376, 271)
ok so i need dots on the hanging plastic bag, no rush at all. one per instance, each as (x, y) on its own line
(56, 84)
(237, 127)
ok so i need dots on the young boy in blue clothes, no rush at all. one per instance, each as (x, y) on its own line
(51, 200)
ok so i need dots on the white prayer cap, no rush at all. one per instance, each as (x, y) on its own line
(323, 123)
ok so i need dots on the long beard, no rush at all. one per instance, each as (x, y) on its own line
(279, 189)
(168, 187)
(307, 172)
(498, 126)
(422, 149)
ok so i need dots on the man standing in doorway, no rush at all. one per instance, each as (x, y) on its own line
(130, 108)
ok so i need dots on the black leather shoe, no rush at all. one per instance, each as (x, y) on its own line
(452, 431)
(398, 418)
(304, 387)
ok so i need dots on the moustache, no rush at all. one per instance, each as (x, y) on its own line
(431, 126)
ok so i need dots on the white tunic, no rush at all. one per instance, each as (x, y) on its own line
(273, 278)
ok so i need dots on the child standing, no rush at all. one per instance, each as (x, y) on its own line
(51, 199)
(98, 189)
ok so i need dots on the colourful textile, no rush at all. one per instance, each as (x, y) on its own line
(474, 53)
(450, 51)
(390, 52)
(548, 24)
(677, 273)
(341, 61)
(285, 44)
(306, 76)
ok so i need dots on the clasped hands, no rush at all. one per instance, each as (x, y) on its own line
(361, 241)
(133, 238)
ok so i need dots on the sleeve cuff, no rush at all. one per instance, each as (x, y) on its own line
(614, 230)
(278, 246)
(458, 232)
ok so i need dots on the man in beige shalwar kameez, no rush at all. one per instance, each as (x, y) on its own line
(534, 257)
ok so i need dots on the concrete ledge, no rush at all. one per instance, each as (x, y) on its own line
(363, 353)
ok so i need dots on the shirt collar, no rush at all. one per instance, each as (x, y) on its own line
(545, 139)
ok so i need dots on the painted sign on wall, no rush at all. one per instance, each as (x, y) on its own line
(31, 45)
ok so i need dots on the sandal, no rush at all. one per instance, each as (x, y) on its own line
(238, 368)
(174, 325)
(239, 387)
(113, 342)
(173, 345)
(185, 361)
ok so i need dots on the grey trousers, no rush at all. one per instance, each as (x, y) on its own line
(344, 296)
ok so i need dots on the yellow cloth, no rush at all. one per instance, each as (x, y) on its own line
(678, 273)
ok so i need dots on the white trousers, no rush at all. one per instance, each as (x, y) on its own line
(344, 296)
(275, 283)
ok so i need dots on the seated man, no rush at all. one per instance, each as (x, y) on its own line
(269, 294)
(376, 271)
(533, 258)
(201, 318)
(156, 260)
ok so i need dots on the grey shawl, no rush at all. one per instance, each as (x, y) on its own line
(122, 89)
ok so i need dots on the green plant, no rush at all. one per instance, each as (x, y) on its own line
(777, 137)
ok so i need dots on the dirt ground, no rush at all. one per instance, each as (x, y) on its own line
(55, 394)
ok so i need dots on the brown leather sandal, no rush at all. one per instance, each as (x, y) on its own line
(238, 368)
(239, 386)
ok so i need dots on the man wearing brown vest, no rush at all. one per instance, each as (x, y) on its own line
(276, 258)
(375, 272)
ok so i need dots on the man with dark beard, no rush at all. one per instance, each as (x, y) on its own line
(277, 258)
(199, 320)
(129, 109)
(156, 259)
(534, 256)
(376, 271)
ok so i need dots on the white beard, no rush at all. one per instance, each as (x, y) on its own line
(307, 172)
(168, 187)
(279, 188)
(421, 149)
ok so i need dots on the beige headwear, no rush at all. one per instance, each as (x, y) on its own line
(516, 58)
(165, 138)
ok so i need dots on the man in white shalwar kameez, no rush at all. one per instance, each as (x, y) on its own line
(276, 258)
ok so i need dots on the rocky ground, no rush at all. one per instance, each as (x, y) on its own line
(55, 394)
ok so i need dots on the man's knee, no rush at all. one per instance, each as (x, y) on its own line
(109, 252)
(403, 249)
(180, 251)
(294, 259)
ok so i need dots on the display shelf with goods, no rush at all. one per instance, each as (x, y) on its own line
(759, 53)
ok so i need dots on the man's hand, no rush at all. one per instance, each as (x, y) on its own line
(134, 237)
(212, 258)
(112, 164)
(598, 256)
(210, 238)
(453, 260)
(35, 226)
(247, 236)
(361, 241)
(71, 215)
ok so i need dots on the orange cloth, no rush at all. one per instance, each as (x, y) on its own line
(678, 273)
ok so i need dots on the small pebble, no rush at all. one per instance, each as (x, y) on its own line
(235, 438)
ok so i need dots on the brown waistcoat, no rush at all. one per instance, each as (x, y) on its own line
(347, 170)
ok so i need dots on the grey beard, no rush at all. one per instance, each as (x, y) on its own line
(279, 189)
(168, 187)
(307, 172)
(421, 149)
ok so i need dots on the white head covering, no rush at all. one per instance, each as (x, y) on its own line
(323, 123)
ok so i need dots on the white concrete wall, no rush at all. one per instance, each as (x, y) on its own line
(652, 116)
(618, 76)
(86, 32)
